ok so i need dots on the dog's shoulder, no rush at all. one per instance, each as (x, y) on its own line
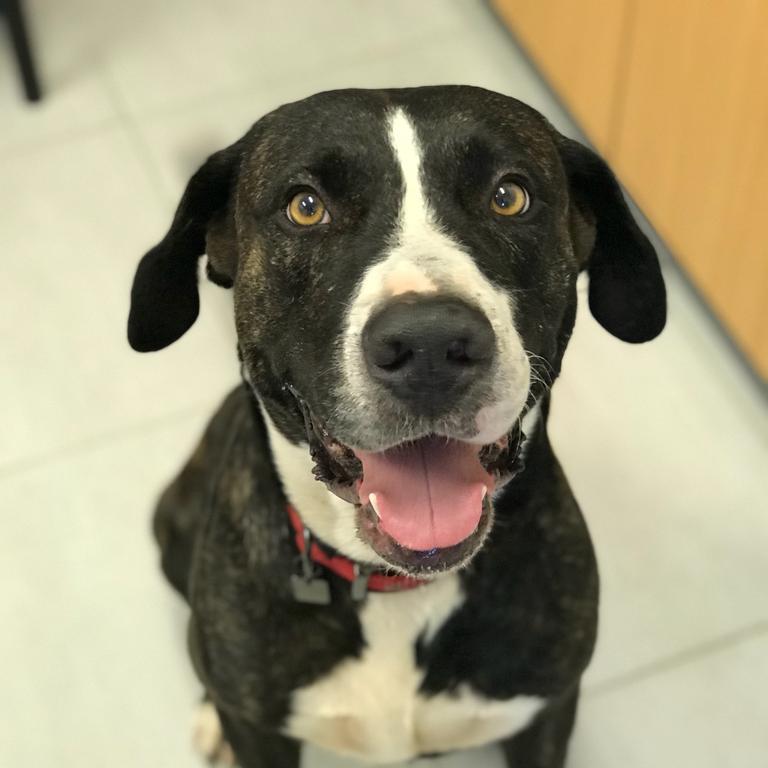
(185, 504)
(245, 504)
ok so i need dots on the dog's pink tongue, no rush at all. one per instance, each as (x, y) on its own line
(429, 493)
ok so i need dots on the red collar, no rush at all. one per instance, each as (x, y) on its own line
(347, 569)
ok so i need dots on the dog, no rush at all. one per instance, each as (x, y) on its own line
(380, 551)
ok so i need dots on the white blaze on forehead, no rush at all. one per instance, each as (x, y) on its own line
(413, 211)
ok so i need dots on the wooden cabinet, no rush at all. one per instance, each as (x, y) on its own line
(556, 34)
(682, 115)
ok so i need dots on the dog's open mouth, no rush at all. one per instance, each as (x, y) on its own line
(423, 505)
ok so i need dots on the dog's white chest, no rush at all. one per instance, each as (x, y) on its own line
(371, 708)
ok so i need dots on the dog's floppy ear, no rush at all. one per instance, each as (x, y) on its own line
(164, 299)
(626, 290)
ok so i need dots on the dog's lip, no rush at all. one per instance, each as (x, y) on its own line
(338, 465)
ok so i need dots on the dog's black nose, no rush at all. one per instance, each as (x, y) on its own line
(427, 351)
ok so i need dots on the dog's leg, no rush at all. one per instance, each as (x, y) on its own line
(544, 743)
(208, 737)
(257, 748)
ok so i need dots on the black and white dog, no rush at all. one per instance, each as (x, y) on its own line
(404, 267)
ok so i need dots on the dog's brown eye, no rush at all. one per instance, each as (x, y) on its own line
(306, 209)
(510, 199)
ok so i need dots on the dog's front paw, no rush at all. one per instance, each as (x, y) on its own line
(208, 737)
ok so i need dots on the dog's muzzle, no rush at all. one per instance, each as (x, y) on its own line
(423, 505)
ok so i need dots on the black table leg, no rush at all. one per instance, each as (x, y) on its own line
(15, 17)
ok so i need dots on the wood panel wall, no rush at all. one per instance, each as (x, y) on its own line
(675, 96)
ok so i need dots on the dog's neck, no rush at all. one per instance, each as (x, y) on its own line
(328, 517)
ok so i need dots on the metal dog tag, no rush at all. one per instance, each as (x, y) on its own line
(359, 588)
(307, 587)
(313, 590)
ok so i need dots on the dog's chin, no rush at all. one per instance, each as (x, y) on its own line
(424, 505)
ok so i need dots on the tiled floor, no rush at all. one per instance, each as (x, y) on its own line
(666, 445)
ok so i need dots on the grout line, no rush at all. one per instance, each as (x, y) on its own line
(247, 85)
(24, 148)
(88, 444)
(676, 660)
(136, 137)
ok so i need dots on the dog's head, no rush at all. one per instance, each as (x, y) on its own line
(404, 268)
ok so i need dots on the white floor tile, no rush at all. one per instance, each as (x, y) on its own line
(711, 713)
(92, 651)
(665, 447)
(82, 213)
